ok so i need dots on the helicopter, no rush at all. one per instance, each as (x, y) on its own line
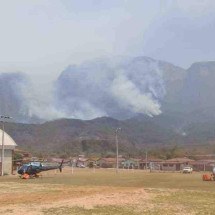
(32, 169)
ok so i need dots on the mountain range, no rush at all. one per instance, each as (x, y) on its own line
(69, 137)
(153, 101)
(119, 89)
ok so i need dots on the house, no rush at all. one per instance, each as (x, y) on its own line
(9, 146)
(109, 162)
(203, 165)
(82, 162)
(92, 162)
(153, 162)
(175, 164)
(131, 163)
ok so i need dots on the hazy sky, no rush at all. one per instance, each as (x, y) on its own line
(41, 37)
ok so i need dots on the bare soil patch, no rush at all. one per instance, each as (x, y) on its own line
(37, 198)
(105, 193)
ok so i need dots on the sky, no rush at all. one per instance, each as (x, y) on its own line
(42, 37)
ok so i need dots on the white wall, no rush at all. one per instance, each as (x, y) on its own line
(8, 153)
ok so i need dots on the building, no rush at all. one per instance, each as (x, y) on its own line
(155, 163)
(93, 162)
(109, 162)
(9, 146)
(176, 164)
(203, 165)
(82, 162)
(131, 163)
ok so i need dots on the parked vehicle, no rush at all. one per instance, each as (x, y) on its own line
(187, 169)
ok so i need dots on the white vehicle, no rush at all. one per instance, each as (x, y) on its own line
(213, 170)
(187, 169)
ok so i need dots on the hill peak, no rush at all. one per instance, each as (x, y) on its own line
(202, 65)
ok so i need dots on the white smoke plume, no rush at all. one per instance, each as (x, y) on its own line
(119, 88)
(128, 95)
(38, 105)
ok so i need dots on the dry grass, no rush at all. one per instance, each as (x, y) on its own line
(105, 192)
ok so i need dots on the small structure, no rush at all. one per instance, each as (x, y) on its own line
(92, 162)
(82, 162)
(109, 162)
(176, 164)
(203, 165)
(131, 163)
(155, 163)
(9, 146)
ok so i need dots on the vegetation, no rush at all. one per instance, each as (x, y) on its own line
(105, 192)
(68, 137)
(102, 210)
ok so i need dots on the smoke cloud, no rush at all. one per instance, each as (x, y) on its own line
(118, 88)
(128, 95)
(38, 102)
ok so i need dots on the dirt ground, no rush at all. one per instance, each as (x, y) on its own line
(30, 198)
(29, 201)
(104, 192)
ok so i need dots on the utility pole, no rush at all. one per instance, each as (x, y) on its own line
(2, 149)
(117, 149)
(146, 159)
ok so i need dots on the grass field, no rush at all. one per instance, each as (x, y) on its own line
(105, 192)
